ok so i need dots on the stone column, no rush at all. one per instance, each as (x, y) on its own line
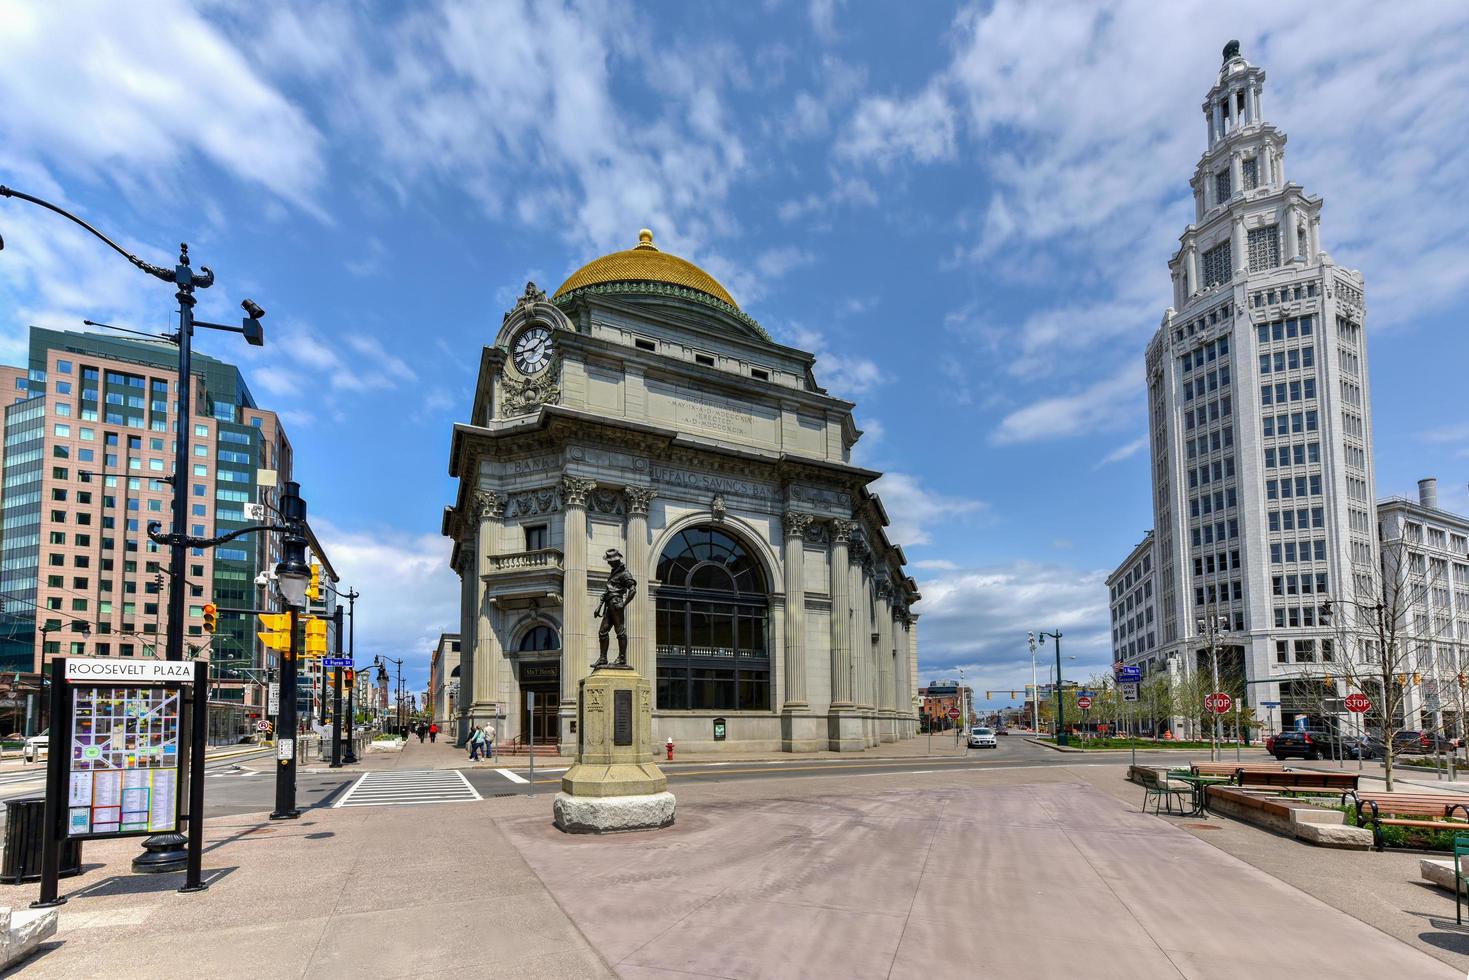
(487, 652)
(1191, 270)
(885, 659)
(1241, 258)
(1313, 242)
(1236, 174)
(576, 628)
(795, 613)
(640, 613)
(1292, 242)
(841, 615)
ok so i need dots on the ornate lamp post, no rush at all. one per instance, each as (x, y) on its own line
(1061, 738)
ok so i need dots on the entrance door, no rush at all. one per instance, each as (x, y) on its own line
(544, 720)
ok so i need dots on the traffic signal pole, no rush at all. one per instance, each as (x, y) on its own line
(285, 733)
(337, 700)
(351, 755)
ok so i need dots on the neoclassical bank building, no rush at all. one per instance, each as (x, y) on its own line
(639, 409)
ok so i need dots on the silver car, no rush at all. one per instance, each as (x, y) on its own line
(982, 738)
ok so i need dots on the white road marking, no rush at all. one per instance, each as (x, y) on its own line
(512, 776)
(408, 787)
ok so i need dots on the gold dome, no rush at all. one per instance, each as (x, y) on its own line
(644, 263)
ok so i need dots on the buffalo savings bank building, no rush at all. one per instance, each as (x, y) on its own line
(639, 408)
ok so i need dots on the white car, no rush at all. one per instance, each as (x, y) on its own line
(35, 746)
(982, 738)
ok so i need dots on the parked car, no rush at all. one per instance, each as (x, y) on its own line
(982, 738)
(35, 745)
(1419, 743)
(1313, 744)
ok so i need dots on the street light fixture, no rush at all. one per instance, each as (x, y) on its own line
(1061, 738)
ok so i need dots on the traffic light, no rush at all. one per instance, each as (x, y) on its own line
(315, 638)
(1463, 681)
(277, 633)
(989, 695)
(1417, 677)
(211, 617)
(348, 676)
(313, 591)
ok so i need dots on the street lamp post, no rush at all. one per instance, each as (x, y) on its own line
(1035, 693)
(1061, 738)
(350, 757)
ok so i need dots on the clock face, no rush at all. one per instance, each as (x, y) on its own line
(532, 350)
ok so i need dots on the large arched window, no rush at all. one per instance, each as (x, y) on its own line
(539, 638)
(713, 613)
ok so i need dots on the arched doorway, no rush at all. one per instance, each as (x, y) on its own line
(713, 612)
(540, 676)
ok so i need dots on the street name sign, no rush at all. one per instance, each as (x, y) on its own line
(1269, 704)
(1358, 703)
(1218, 702)
(1130, 675)
(336, 661)
(1083, 702)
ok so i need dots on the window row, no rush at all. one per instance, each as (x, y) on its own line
(1205, 320)
(1208, 595)
(1212, 564)
(1300, 454)
(1210, 502)
(1301, 486)
(1206, 354)
(1211, 442)
(1212, 412)
(1291, 552)
(1305, 650)
(1283, 295)
(1290, 359)
(1208, 384)
(1215, 531)
(1302, 519)
(1295, 617)
(1287, 329)
(1211, 472)
(1299, 584)
(1284, 391)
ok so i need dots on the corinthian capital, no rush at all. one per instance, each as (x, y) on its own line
(575, 490)
(841, 531)
(488, 504)
(638, 499)
(796, 524)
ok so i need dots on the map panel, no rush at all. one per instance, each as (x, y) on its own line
(124, 765)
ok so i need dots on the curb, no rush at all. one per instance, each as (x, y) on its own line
(1058, 748)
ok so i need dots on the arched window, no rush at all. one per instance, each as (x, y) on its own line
(539, 638)
(455, 671)
(713, 623)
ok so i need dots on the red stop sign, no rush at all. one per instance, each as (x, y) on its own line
(1358, 702)
(1083, 702)
(1218, 702)
(954, 713)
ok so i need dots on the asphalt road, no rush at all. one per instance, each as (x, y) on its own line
(232, 788)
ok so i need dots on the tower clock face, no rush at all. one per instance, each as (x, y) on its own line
(532, 350)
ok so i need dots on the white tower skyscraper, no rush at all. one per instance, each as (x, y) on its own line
(1259, 420)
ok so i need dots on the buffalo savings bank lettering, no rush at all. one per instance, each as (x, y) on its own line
(709, 481)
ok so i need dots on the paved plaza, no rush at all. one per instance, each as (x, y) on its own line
(1017, 873)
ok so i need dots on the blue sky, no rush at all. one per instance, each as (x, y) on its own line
(965, 210)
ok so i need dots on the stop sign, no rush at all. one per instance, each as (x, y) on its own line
(1218, 702)
(1358, 703)
(1083, 702)
(954, 713)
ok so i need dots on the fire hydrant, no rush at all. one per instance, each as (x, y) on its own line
(669, 746)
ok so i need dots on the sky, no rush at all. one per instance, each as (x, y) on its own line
(964, 210)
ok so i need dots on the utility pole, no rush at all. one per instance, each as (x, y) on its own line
(337, 698)
(351, 755)
(1061, 738)
(293, 575)
(1035, 693)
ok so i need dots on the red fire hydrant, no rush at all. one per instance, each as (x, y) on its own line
(669, 746)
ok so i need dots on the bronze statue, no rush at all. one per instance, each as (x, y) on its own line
(620, 588)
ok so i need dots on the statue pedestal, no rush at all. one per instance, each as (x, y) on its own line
(611, 788)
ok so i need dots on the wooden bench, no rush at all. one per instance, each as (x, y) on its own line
(1297, 780)
(1159, 788)
(1425, 811)
(1231, 768)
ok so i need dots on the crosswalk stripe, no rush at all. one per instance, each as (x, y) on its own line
(406, 787)
(514, 777)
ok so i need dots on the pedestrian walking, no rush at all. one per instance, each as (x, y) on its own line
(489, 733)
(433, 732)
(476, 745)
(422, 731)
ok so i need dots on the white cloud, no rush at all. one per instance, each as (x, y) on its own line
(978, 618)
(1126, 451)
(886, 130)
(1103, 406)
(409, 593)
(135, 98)
(844, 375)
(915, 512)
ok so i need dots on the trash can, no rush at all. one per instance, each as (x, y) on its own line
(24, 834)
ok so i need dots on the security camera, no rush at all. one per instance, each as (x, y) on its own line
(252, 308)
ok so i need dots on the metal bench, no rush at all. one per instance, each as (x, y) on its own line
(1161, 790)
(1423, 811)
(1296, 780)
(1231, 768)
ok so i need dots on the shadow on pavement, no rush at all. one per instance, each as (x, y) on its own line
(144, 884)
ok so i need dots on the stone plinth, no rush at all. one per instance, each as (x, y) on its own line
(613, 785)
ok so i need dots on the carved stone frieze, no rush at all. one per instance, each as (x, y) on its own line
(816, 533)
(604, 501)
(575, 490)
(717, 508)
(533, 503)
(637, 499)
(796, 524)
(884, 588)
(841, 531)
(488, 505)
(524, 395)
(857, 552)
